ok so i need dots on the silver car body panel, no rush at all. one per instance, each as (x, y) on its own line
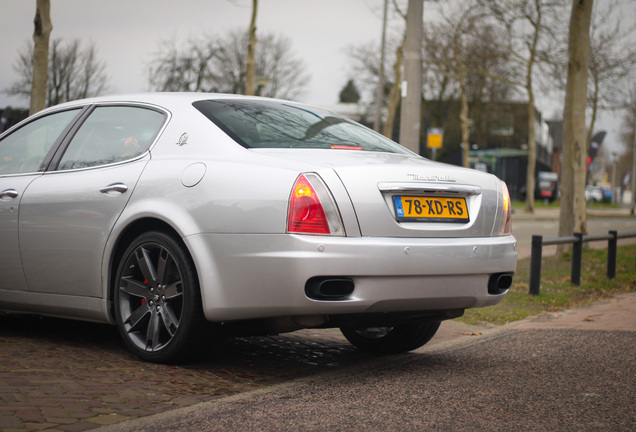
(65, 222)
(390, 274)
(229, 205)
(64, 306)
(11, 191)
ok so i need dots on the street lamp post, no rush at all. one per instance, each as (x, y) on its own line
(379, 92)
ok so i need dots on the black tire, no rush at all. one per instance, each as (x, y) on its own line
(158, 301)
(391, 340)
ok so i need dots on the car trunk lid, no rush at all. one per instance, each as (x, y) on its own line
(408, 196)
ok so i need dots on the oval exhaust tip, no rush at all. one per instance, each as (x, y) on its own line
(499, 283)
(329, 288)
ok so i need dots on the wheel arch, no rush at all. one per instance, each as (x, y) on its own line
(125, 237)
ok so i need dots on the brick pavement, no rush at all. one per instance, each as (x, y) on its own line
(74, 376)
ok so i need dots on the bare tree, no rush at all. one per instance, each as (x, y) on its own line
(458, 48)
(526, 27)
(626, 162)
(73, 72)
(453, 51)
(187, 70)
(41, 33)
(218, 65)
(283, 74)
(379, 91)
(446, 53)
(366, 69)
(612, 61)
(394, 94)
(628, 135)
(572, 216)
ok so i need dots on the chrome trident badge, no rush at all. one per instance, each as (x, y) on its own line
(183, 139)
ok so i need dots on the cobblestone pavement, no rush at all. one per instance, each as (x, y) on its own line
(72, 376)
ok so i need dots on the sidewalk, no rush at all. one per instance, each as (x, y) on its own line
(552, 213)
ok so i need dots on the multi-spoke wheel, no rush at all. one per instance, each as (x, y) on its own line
(391, 340)
(157, 299)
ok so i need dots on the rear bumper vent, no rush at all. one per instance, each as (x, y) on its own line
(329, 288)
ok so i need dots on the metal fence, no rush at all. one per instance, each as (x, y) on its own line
(577, 241)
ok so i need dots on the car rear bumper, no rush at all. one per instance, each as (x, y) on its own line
(260, 276)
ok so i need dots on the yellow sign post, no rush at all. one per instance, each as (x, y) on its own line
(435, 137)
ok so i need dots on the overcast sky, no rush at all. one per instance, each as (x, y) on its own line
(126, 33)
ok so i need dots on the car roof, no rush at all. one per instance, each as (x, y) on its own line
(163, 99)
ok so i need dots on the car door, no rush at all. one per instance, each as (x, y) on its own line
(69, 212)
(24, 153)
(11, 190)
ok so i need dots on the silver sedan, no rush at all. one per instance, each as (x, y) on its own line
(184, 217)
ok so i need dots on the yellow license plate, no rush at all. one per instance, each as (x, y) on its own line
(431, 209)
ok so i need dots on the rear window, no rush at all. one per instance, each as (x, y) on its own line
(270, 124)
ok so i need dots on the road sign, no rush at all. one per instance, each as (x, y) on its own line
(435, 137)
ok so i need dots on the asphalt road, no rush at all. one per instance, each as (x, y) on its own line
(574, 371)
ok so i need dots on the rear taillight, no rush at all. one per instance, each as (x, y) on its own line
(312, 209)
(505, 227)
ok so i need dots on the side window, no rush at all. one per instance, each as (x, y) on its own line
(25, 149)
(112, 134)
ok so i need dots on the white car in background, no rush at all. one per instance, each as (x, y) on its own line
(181, 217)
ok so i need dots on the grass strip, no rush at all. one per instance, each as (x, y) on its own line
(557, 293)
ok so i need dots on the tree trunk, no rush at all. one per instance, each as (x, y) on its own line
(41, 33)
(250, 77)
(590, 129)
(464, 122)
(573, 216)
(394, 95)
(532, 147)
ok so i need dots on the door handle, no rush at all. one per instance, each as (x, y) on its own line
(115, 187)
(8, 193)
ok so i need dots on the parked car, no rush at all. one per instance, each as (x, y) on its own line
(596, 194)
(547, 186)
(181, 217)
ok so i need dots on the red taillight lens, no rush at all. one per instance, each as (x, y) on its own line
(506, 222)
(306, 213)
